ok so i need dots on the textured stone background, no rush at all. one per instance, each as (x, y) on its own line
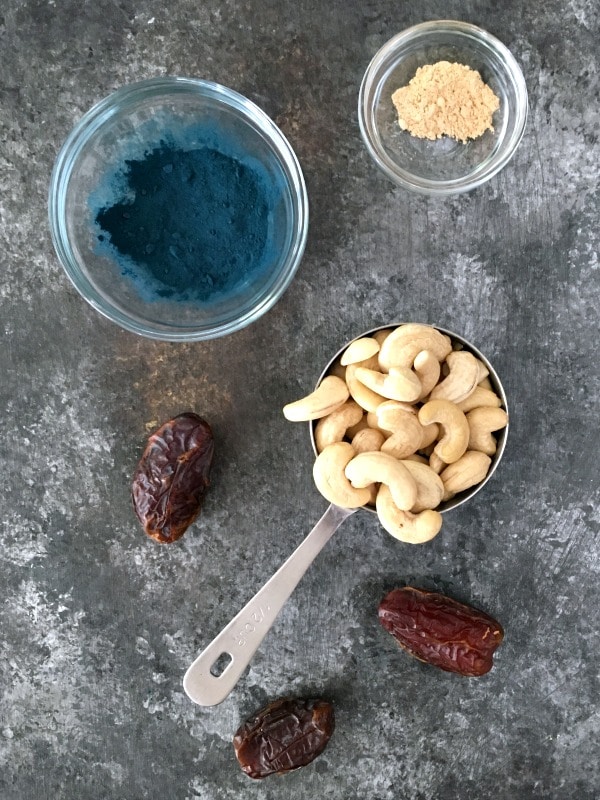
(98, 624)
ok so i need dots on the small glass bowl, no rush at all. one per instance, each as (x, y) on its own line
(136, 118)
(459, 343)
(442, 166)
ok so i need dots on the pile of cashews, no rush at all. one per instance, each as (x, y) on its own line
(406, 420)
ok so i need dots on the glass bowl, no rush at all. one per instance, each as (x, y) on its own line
(192, 117)
(443, 166)
(458, 343)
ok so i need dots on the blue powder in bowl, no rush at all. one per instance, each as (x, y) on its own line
(187, 222)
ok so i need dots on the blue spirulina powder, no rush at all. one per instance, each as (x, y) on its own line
(187, 223)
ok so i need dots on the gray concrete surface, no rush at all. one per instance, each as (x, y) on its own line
(98, 623)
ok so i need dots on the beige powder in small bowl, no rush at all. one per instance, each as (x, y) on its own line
(446, 99)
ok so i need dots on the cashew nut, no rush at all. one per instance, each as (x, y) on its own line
(390, 414)
(427, 368)
(331, 393)
(406, 430)
(430, 488)
(482, 421)
(454, 427)
(400, 444)
(333, 427)
(404, 343)
(368, 440)
(480, 397)
(330, 480)
(368, 468)
(461, 380)
(403, 525)
(360, 350)
(388, 410)
(436, 463)
(365, 397)
(486, 384)
(470, 469)
(399, 384)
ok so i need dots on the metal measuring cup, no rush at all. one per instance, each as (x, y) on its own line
(215, 672)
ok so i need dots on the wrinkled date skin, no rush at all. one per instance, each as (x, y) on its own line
(441, 631)
(172, 477)
(285, 735)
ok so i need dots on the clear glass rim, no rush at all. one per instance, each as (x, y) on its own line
(462, 497)
(92, 120)
(369, 91)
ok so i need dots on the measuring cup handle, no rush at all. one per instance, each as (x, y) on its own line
(239, 640)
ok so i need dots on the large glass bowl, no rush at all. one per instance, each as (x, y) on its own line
(135, 119)
(443, 166)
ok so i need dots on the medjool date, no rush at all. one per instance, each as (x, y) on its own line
(441, 631)
(172, 477)
(285, 735)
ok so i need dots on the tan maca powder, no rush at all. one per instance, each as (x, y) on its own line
(446, 99)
